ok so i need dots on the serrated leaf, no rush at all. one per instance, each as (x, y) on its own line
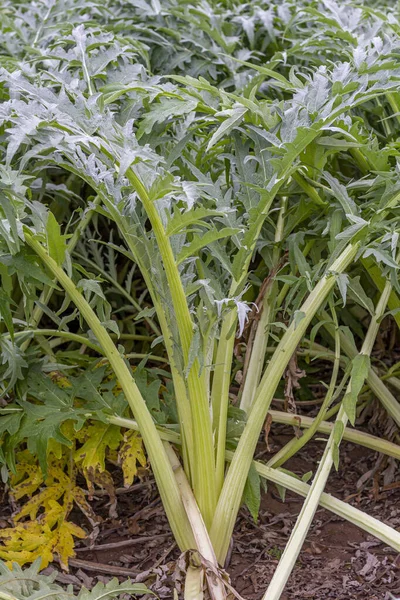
(201, 241)
(44, 389)
(92, 454)
(181, 221)
(235, 117)
(29, 584)
(166, 109)
(25, 267)
(52, 533)
(10, 419)
(91, 286)
(381, 256)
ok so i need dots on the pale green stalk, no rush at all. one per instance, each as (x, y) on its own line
(394, 382)
(310, 506)
(184, 411)
(220, 392)
(222, 372)
(162, 470)
(231, 495)
(4, 596)
(202, 464)
(194, 580)
(168, 435)
(258, 351)
(203, 542)
(67, 335)
(181, 397)
(257, 358)
(350, 435)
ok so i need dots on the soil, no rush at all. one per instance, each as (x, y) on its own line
(338, 559)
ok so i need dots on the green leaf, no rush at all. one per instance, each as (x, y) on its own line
(42, 424)
(381, 256)
(338, 432)
(165, 109)
(56, 243)
(24, 266)
(10, 419)
(342, 281)
(204, 240)
(336, 456)
(307, 476)
(341, 194)
(252, 492)
(181, 221)
(357, 293)
(5, 312)
(29, 584)
(14, 361)
(113, 589)
(91, 286)
(235, 117)
(359, 372)
(44, 389)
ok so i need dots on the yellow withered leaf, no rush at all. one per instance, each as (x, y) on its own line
(40, 500)
(131, 453)
(26, 542)
(29, 485)
(64, 541)
(48, 532)
(91, 456)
